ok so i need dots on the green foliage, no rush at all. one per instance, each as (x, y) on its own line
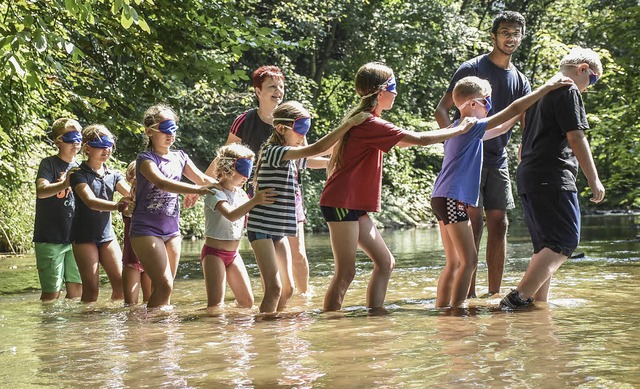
(106, 61)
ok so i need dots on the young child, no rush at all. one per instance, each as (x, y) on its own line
(94, 241)
(553, 146)
(269, 223)
(355, 183)
(155, 232)
(54, 213)
(134, 277)
(224, 214)
(458, 184)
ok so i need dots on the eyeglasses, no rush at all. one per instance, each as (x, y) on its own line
(485, 102)
(507, 35)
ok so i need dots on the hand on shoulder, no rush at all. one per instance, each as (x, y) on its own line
(558, 81)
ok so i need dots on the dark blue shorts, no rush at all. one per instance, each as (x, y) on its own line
(553, 220)
(332, 214)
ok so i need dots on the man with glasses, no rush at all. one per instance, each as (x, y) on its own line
(508, 84)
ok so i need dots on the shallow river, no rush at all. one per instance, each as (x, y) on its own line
(588, 336)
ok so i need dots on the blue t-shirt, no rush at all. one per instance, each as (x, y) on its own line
(462, 165)
(54, 213)
(506, 87)
(91, 226)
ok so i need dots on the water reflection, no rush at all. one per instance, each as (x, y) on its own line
(585, 337)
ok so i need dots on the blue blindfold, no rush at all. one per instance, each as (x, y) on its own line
(390, 85)
(168, 127)
(71, 137)
(103, 142)
(244, 166)
(300, 125)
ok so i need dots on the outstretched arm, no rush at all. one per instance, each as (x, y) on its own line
(580, 146)
(413, 138)
(326, 141)
(260, 197)
(151, 172)
(522, 104)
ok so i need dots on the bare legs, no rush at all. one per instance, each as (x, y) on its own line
(133, 280)
(216, 275)
(299, 261)
(88, 257)
(537, 278)
(345, 238)
(497, 226)
(160, 262)
(274, 261)
(461, 262)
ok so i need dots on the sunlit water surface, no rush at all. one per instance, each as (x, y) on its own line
(588, 336)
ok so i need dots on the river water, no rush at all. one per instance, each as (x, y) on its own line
(587, 336)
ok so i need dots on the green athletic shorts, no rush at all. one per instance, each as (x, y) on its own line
(56, 266)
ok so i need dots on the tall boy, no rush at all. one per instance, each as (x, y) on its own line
(553, 145)
(508, 84)
(54, 212)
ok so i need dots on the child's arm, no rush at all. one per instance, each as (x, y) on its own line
(151, 172)
(260, 197)
(196, 175)
(327, 141)
(45, 189)
(522, 104)
(501, 128)
(580, 146)
(413, 138)
(85, 194)
(317, 162)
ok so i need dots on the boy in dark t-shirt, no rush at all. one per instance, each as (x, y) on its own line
(553, 145)
(54, 212)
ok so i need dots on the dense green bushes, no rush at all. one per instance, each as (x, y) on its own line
(106, 61)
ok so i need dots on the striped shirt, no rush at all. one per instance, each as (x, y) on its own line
(279, 218)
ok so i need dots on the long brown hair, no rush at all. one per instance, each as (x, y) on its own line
(371, 77)
(287, 110)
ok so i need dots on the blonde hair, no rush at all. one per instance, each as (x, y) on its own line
(370, 79)
(470, 87)
(224, 163)
(287, 110)
(58, 126)
(94, 131)
(579, 55)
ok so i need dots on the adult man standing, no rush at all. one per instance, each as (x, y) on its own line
(508, 84)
